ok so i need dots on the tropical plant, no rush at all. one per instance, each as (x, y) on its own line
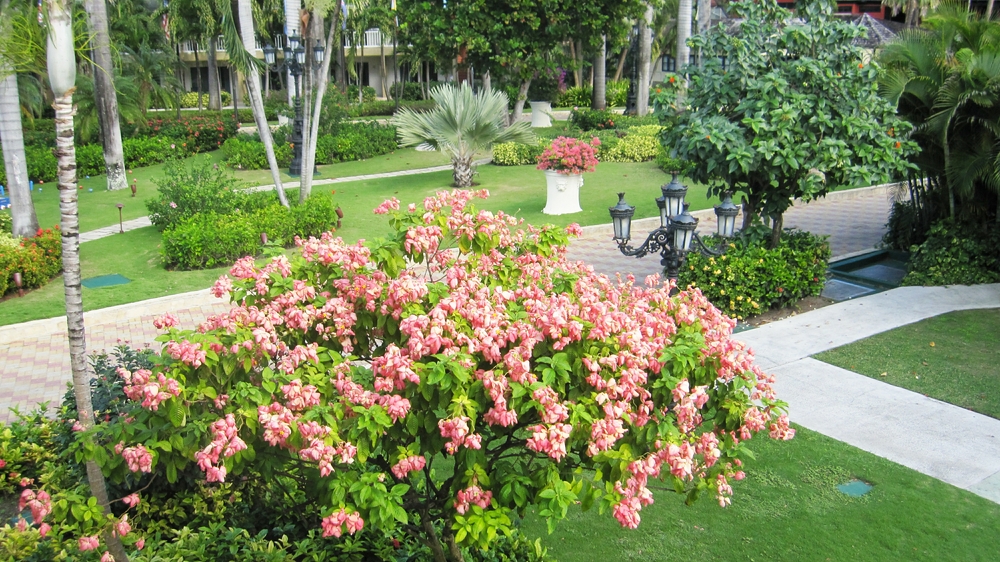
(105, 94)
(795, 115)
(152, 74)
(461, 125)
(945, 81)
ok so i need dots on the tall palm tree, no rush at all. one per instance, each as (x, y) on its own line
(645, 49)
(599, 94)
(151, 72)
(104, 90)
(61, 60)
(257, 102)
(461, 125)
(22, 208)
(309, 154)
(683, 32)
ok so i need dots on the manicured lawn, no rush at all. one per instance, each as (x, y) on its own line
(135, 254)
(98, 209)
(788, 509)
(953, 357)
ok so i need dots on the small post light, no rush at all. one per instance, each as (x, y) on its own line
(673, 195)
(726, 215)
(293, 42)
(300, 55)
(133, 187)
(269, 54)
(121, 224)
(318, 52)
(684, 227)
(621, 216)
(17, 283)
(263, 238)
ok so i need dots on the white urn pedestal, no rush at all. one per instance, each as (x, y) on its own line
(562, 193)
(541, 114)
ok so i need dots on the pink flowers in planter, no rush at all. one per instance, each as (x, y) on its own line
(570, 156)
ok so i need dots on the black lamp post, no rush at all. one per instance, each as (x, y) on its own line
(676, 235)
(631, 98)
(294, 62)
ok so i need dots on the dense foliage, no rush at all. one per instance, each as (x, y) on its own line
(751, 278)
(37, 259)
(202, 188)
(352, 141)
(794, 115)
(956, 255)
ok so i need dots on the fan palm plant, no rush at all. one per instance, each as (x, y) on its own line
(461, 125)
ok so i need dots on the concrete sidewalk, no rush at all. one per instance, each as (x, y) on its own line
(949, 443)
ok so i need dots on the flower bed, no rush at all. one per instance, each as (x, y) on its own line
(37, 259)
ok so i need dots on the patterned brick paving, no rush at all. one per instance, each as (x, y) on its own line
(35, 355)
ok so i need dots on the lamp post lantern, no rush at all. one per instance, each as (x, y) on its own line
(676, 235)
(294, 61)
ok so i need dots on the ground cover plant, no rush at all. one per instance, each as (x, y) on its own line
(952, 357)
(955, 254)
(479, 359)
(790, 493)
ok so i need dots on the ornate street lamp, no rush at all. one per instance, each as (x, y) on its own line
(294, 61)
(676, 235)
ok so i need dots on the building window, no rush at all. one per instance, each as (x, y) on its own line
(724, 62)
(669, 64)
(361, 68)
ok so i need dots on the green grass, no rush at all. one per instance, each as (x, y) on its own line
(953, 358)
(135, 254)
(788, 509)
(98, 208)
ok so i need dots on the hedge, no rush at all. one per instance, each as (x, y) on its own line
(750, 278)
(353, 141)
(636, 144)
(955, 255)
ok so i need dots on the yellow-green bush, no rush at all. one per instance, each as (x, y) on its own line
(516, 154)
(633, 148)
(190, 99)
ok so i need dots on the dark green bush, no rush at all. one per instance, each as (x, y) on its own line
(41, 162)
(367, 94)
(356, 141)
(184, 192)
(411, 92)
(198, 132)
(750, 278)
(954, 255)
(577, 96)
(593, 119)
(44, 138)
(90, 160)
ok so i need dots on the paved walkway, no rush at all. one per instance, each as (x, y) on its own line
(950, 443)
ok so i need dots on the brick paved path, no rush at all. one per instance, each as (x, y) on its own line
(35, 355)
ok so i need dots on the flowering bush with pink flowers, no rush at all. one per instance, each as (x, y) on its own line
(442, 382)
(570, 156)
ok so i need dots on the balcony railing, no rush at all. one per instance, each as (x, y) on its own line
(370, 38)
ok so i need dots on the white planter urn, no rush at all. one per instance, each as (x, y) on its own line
(563, 193)
(541, 114)
(283, 120)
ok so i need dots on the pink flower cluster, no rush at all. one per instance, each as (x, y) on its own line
(40, 504)
(410, 464)
(138, 458)
(333, 524)
(473, 495)
(140, 386)
(166, 321)
(567, 155)
(550, 440)
(457, 431)
(298, 397)
(187, 352)
(89, 543)
(226, 442)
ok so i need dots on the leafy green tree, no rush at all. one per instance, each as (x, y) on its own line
(461, 125)
(794, 115)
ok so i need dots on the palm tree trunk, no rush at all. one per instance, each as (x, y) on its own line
(245, 15)
(621, 62)
(383, 72)
(197, 74)
(487, 82)
(576, 63)
(292, 25)
(22, 208)
(989, 14)
(645, 50)
(683, 32)
(62, 76)
(214, 92)
(105, 95)
(309, 154)
(912, 13)
(704, 15)
(599, 95)
(462, 173)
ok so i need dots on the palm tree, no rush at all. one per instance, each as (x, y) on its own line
(22, 208)
(309, 154)
(104, 89)
(598, 98)
(152, 73)
(683, 32)
(645, 49)
(461, 125)
(61, 62)
(253, 83)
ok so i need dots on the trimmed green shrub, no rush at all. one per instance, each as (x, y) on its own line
(356, 141)
(194, 132)
(750, 278)
(38, 259)
(636, 146)
(190, 99)
(246, 152)
(184, 192)
(411, 92)
(211, 239)
(516, 154)
(90, 160)
(367, 94)
(955, 255)
(593, 119)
